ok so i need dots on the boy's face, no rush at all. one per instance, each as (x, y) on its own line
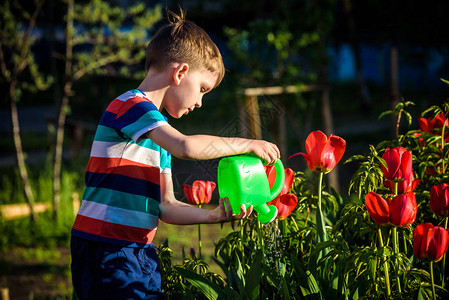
(188, 90)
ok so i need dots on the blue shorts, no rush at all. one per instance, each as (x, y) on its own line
(106, 271)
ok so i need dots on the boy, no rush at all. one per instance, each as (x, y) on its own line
(128, 177)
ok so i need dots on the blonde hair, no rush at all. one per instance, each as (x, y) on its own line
(183, 41)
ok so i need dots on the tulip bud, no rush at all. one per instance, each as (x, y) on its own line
(439, 199)
(200, 192)
(323, 153)
(378, 208)
(399, 164)
(401, 211)
(430, 242)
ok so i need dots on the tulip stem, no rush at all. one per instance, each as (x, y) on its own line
(199, 240)
(199, 237)
(442, 147)
(261, 244)
(283, 228)
(432, 280)
(396, 243)
(387, 277)
(294, 222)
(443, 269)
(321, 228)
(396, 252)
(242, 250)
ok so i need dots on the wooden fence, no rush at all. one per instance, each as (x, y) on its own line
(251, 122)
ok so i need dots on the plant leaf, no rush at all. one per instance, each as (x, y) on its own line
(252, 278)
(306, 280)
(207, 287)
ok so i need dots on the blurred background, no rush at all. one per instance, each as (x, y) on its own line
(293, 66)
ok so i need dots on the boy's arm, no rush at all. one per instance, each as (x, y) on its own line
(176, 212)
(201, 147)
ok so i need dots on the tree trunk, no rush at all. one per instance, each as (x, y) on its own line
(19, 66)
(63, 111)
(58, 156)
(19, 150)
(326, 111)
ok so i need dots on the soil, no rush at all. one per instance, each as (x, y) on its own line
(36, 273)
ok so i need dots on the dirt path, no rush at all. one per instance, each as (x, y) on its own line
(36, 273)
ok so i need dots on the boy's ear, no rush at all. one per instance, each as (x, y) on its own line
(179, 72)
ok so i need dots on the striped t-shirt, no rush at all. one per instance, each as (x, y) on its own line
(122, 195)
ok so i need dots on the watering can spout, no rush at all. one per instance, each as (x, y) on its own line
(266, 213)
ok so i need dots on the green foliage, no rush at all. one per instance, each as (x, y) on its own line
(398, 110)
(17, 61)
(281, 259)
(267, 51)
(284, 260)
(191, 280)
(45, 232)
(369, 175)
(108, 39)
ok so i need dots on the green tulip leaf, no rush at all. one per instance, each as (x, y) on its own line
(253, 277)
(207, 287)
(307, 282)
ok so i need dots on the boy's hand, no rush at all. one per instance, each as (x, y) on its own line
(220, 214)
(265, 150)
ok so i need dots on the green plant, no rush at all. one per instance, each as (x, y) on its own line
(44, 232)
(363, 260)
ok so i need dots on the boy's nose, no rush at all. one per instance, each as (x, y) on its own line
(199, 103)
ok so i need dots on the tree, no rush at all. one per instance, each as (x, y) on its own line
(286, 44)
(100, 39)
(19, 72)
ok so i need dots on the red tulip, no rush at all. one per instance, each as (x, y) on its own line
(401, 211)
(200, 192)
(378, 208)
(439, 199)
(433, 124)
(285, 205)
(405, 186)
(285, 202)
(323, 153)
(399, 164)
(270, 170)
(430, 242)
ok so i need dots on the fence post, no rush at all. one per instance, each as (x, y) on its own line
(282, 134)
(5, 294)
(252, 106)
(243, 120)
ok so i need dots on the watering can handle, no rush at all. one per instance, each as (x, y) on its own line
(280, 177)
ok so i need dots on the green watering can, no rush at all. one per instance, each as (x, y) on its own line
(243, 180)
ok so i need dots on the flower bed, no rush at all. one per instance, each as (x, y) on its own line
(386, 240)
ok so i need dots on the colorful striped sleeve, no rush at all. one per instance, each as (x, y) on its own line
(133, 114)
